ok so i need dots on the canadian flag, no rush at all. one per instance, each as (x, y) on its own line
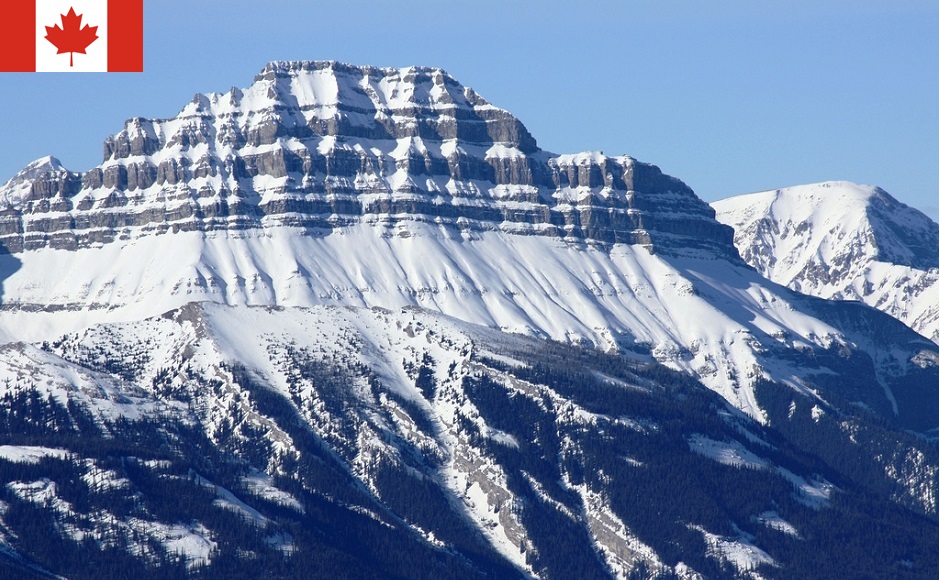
(72, 36)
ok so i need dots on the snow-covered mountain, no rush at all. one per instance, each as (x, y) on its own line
(322, 145)
(359, 321)
(843, 241)
(325, 183)
(494, 454)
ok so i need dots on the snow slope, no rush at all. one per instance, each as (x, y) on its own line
(504, 426)
(708, 317)
(843, 241)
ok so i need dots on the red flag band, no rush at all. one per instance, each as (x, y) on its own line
(18, 45)
(72, 36)
(125, 36)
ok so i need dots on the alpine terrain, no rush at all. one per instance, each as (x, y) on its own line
(843, 241)
(353, 322)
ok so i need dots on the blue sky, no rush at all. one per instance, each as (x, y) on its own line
(730, 96)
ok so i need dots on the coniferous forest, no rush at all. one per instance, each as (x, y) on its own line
(109, 504)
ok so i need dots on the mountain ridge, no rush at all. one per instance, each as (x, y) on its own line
(843, 241)
(484, 446)
(323, 144)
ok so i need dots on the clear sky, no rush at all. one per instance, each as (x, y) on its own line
(731, 96)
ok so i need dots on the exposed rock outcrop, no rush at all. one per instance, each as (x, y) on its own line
(324, 144)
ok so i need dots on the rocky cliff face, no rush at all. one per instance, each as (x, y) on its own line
(323, 144)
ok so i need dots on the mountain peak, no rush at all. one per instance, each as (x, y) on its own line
(323, 144)
(837, 214)
(845, 241)
(293, 67)
(21, 185)
(38, 168)
(46, 164)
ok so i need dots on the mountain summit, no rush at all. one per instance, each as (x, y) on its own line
(843, 241)
(324, 144)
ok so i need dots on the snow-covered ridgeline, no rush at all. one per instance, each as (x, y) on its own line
(843, 241)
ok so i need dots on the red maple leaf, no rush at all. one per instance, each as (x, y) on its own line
(71, 38)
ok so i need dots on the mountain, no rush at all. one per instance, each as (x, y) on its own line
(843, 241)
(352, 322)
(325, 183)
(405, 443)
(324, 145)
